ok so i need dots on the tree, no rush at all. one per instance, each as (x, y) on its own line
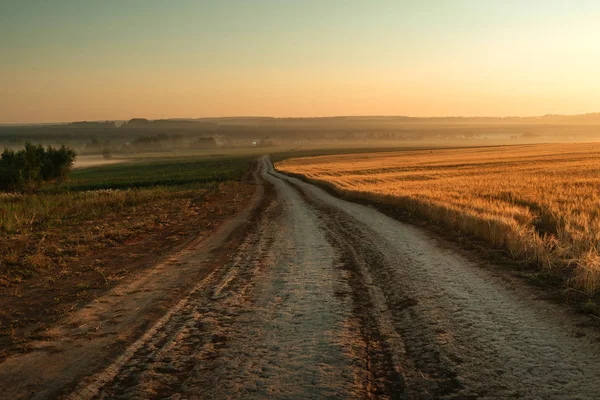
(8, 171)
(57, 163)
(26, 169)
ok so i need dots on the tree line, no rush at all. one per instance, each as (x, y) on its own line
(29, 168)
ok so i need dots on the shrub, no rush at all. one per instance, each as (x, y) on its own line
(27, 169)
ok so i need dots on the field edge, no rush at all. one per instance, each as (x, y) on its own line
(554, 284)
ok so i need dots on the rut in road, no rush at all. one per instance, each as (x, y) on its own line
(274, 322)
(327, 298)
(466, 331)
(194, 336)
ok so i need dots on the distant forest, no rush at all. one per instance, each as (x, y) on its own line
(140, 133)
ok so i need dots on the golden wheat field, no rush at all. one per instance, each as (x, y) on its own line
(539, 202)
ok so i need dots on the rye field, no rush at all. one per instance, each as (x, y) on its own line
(539, 203)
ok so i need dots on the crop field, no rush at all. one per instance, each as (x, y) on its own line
(168, 172)
(540, 203)
(103, 206)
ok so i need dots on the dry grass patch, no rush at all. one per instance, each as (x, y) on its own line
(40, 232)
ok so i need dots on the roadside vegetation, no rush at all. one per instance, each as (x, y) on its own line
(539, 203)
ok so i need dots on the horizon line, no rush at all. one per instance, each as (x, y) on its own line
(292, 117)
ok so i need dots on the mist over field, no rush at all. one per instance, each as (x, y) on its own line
(142, 135)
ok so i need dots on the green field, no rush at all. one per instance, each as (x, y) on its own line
(143, 174)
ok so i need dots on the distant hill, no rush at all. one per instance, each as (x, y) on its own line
(339, 127)
(261, 120)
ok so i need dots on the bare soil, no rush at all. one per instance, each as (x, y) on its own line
(30, 308)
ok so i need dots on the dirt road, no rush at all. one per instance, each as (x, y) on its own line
(318, 297)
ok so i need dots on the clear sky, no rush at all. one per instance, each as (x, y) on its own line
(66, 60)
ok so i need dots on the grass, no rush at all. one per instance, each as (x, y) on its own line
(540, 203)
(102, 207)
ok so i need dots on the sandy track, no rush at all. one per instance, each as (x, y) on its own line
(325, 298)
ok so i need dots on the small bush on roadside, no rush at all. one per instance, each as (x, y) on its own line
(27, 169)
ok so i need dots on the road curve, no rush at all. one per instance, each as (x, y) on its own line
(452, 328)
(326, 298)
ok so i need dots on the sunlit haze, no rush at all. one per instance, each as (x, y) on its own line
(105, 60)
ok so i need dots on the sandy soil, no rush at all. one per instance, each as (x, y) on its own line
(309, 296)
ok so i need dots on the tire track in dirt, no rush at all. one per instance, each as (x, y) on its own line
(277, 322)
(193, 333)
(98, 337)
(409, 364)
(270, 324)
(467, 331)
(153, 366)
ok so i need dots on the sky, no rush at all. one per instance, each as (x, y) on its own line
(63, 60)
